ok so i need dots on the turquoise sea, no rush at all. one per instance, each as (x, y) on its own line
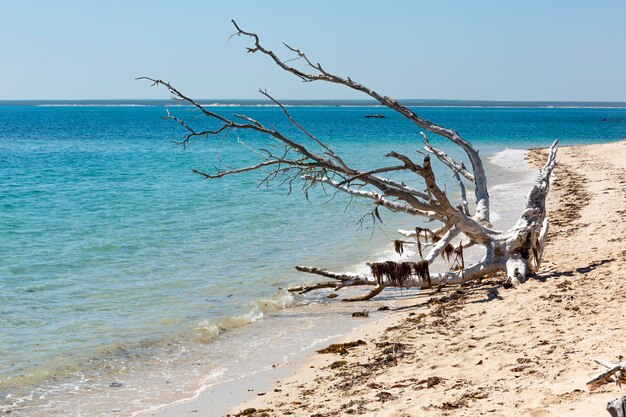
(124, 276)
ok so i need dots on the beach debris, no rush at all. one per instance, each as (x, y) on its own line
(447, 251)
(363, 313)
(342, 348)
(337, 364)
(453, 405)
(419, 246)
(385, 396)
(420, 269)
(455, 296)
(614, 373)
(354, 407)
(312, 163)
(116, 385)
(253, 412)
(431, 381)
(617, 407)
(564, 285)
(508, 284)
(416, 319)
(398, 246)
(396, 273)
(459, 260)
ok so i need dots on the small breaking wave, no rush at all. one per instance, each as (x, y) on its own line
(510, 159)
(49, 388)
(211, 328)
(516, 180)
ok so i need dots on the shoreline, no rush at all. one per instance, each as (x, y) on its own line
(223, 371)
(218, 398)
(293, 363)
(124, 352)
(498, 357)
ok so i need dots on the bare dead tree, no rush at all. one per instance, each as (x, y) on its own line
(517, 251)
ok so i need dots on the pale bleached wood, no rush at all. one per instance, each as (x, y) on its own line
(617, 407)
(612, 369)
(309, 162)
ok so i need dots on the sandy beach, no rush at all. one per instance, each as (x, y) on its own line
(283, 210)
(486, 350)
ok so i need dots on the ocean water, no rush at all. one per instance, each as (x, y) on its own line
(127, 282)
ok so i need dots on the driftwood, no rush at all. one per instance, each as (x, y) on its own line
(615, 372)
(311, 162)
(617, 407)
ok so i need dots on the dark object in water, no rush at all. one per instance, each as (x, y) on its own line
(374, 116)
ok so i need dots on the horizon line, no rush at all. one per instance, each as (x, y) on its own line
(321, 102)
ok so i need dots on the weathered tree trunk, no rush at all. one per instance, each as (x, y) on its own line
(517, 251)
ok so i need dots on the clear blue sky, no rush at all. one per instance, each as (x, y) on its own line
(488, 50)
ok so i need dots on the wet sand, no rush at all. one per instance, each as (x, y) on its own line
(484, 349)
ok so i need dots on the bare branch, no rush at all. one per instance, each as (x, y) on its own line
(192, 133)
(221, 174)
(448, 161)
(464, 204)
(334, 275)
(439, 246)
(303, 289)
(378, 199)
(376, 171)
(518, 251)
(480, 192)
(228, 123)
(297, 125)
(373, 293)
